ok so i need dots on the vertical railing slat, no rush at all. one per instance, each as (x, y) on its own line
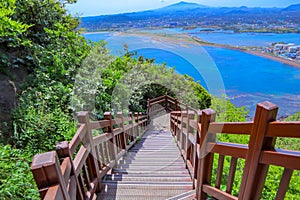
(255, 173)
(232, 171)
(220, 171)
(284, 184)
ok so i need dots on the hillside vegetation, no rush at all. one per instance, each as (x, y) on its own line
(41, 38)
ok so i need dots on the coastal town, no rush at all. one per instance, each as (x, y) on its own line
(288, 51)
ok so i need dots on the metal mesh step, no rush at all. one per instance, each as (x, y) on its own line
(152, 178)
(152, 169)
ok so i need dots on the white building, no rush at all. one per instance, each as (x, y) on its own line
(294, 49)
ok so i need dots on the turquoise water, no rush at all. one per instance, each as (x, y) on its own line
(247, 39)
(234, 39)
(247, 79)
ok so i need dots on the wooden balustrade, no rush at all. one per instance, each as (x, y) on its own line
(75, 170)
(259, 154)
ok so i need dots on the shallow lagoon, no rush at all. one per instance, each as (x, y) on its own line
(247, 79)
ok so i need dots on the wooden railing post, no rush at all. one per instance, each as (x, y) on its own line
(189, 153)
(141, 124)
(93, 159)
(206, 159)
(148, 109)
(112, 142)
(255, 173)
(166, 100)
(47, 172)
(182, 136)
(176, 105)
(122, 137)
(63, 151)
(197, 144)
(136, 115)
(132, 127)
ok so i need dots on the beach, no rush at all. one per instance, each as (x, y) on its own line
(256, 53)
(185, 40)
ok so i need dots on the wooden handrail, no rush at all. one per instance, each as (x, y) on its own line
(75, 170)
(258, 154)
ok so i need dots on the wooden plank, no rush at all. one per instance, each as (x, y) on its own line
(241, 128)
(127, 119)
(232, 171)
(101, 155)
(205, 160)
(156, 99)
(192, 139)
(220, 171)
(80, 159)
(284, 184)
(83, 117)
(118, 131)
(101, 138)
(117, 121)
(127, 127)
(193, 124)
(66, 169)
(99, 124)
(79, 135)
(73, 187)
(106, 153)
(63, 151)
(171, 98)
(218, 194)
(283, 158)
(157, 102)
(284, 129)
(86, 175)
(172, 101)
(229, 149)
(54, 193)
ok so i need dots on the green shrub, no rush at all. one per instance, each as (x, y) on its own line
(16, 180)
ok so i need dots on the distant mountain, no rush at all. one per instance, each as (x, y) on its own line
(182, 6)
(185, 14)
(295, 7)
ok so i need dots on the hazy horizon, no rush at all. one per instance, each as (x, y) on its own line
(105, 7)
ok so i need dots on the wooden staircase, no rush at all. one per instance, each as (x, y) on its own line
(152, 169)
(133, 159)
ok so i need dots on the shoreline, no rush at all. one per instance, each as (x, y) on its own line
(203, 43)
(256, 53)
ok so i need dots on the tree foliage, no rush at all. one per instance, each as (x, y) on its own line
(16, 180)
(40, 36)
(124, 83)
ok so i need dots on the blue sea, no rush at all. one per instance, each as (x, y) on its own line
(245, 79)
(234, 39)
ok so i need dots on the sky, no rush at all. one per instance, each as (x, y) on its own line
(104, 7)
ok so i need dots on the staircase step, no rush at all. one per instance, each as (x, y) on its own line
(151, 161)
(153, 175)
(148, 183)
(152, 169)
(115, 177)
(184, 196)
(145, 186)
(121, 165)
(137, 194)
(164, 171)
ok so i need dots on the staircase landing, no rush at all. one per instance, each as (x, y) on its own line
(152, 169)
